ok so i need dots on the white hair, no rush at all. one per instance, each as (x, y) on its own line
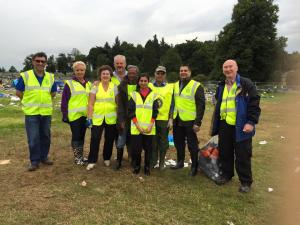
(121, 57)
(78, 63)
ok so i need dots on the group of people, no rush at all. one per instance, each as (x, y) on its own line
(135, 112)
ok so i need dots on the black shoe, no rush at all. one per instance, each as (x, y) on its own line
(193, 172)
(245, 188)
(33, 167)
(147, 171)
(222, 180)
(179, 165)
(118, 165)
(136, 171)
(47, 162)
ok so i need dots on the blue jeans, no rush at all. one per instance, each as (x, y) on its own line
(38, 137)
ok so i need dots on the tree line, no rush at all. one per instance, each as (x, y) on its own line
(250, 38)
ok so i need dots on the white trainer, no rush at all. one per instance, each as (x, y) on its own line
(107, 162)
(90, 166)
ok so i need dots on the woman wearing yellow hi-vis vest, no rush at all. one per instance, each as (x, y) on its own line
(102, 114)
(142, 110)
(74, 103)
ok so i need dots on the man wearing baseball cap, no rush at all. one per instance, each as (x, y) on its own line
(164, 119)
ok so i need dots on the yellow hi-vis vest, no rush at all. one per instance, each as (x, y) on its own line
(143, 112)
(130, 88)
(185, 106)
(115, 80)
(37, 98)
(228, 108)
(105, 107)
(165, 94)
(77, 105)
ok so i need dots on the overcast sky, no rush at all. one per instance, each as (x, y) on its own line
(59, 25)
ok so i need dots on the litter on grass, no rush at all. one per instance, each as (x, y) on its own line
(270, 189)
(14, 98)
(282, 137)
(83, 183)
(263, 142)
(297, 170)
(5, 162)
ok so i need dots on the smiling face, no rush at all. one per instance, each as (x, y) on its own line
(230, 69)
(105, 76)
(143, 82)
(184, 72)
(119, 64)
(160, 76)
(39, 64)
(79, 71)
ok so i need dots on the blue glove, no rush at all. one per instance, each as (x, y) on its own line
(89, 123)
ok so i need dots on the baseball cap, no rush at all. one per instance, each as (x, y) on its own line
(161, 68)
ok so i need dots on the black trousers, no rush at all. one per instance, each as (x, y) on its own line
(183, 135)
(140, 142)
(109, 137)
(78, 130)
(232, 152)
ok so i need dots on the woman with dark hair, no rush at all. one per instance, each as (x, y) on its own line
(142, 110)
(102, 114)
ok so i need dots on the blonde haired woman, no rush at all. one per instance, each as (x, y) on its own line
(74, 108)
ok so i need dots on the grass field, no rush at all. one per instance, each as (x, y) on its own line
(54, 195)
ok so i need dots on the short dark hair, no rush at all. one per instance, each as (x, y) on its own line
(104, 67)
(39, 54)
(186, 65)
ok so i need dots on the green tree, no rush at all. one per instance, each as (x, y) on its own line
(171, 60)
(151, 56)
(51, 65)
(63, 63)
(12, 69)
(27, 63)
(250, 38)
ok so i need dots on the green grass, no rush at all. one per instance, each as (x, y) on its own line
(53, 195)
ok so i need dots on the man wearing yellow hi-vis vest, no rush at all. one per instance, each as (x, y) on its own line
(188, 113)
(74, 103)
(142, 110)
(36, 88)
(164, 120)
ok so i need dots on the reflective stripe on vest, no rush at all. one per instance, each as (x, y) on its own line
(165, 93)
(77, 105)
(228, 107)
(105, 107)
(185, 105)
(143, 112)
(37, 98)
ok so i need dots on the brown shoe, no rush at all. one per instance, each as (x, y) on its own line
(33, 167)
(47, 162)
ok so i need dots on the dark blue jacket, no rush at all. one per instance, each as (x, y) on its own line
(247, 106)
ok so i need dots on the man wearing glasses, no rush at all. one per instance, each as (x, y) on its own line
(36, 88)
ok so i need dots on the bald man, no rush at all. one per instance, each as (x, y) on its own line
(236, 113)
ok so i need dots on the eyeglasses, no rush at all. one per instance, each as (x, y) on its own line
(40, 61)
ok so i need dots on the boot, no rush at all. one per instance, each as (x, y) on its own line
(178, 165)
(194, 166)
(119, 158)
(78, 156)
(147, 171)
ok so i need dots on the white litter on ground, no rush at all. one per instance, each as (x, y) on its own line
(186, 165)
(1, 105)
(170, 162)
(297, 170)
(83, 183)
(230, 223)
(270, 189)
(141, 179)
(14, 98)
(282, 137)
(263, 142)
(5, 162)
